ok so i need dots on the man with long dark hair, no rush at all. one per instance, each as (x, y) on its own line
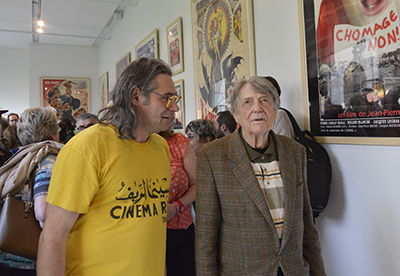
(108, 194)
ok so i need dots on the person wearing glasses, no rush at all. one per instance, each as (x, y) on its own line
(86, 120)
(108, 198)
(253, 213)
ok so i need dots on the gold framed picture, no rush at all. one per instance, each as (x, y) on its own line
(179, 121)
(148, 47)
(121, 64)
(69, 96)
(175, 46)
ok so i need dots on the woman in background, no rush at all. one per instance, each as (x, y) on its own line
(9, 139)
(200, 132)
(180, 227)
(67, 129)
(35, 125)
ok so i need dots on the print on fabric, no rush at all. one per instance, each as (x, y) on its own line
(140, 196)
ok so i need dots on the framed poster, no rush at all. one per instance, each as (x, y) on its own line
(352, 70)
(121, 64)
(69, 96)
(103, 90)
(223, 51)
(148, 47)
(175, 46)
(179, 121)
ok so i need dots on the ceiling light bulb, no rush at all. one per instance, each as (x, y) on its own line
(39, 30)
(40, 23)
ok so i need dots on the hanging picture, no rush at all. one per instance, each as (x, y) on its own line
(148, 47)
(175, 46)
(353, 70)
(223, 51)
(121, 64)
(179, 121)
(69, 96)
(103, 90)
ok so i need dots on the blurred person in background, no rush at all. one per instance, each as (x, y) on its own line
(200, 132)
(12, 118)
(225, 123)
(10, 140)
(180, 227)
(86, 120)
(66, 129)
(37, 130)
(4, 154)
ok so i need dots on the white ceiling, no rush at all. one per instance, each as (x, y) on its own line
(67, 22)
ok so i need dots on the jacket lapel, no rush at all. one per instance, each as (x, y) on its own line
(244, 173)
(286, 165)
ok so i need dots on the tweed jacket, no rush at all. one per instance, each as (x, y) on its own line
(235, 233)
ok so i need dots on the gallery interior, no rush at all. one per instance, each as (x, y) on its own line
(359, 230)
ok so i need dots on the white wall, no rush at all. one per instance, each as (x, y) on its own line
(14, 74)
(63, 61)
(360, 230)
(21, 69)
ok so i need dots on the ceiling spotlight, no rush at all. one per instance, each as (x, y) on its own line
(40, 23)
(39, 30)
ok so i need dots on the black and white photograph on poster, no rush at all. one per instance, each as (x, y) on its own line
(353, 67)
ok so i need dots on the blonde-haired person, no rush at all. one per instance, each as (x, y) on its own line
(35, 126)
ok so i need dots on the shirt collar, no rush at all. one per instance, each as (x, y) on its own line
(270, 154)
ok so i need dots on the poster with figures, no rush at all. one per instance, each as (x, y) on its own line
(69, 96)
(175, 46)
(223, 51)
(353, 70)
(148, 47)
(179, 121)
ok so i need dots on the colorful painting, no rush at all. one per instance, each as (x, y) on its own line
(148, 47)
(353, 70)
(103, 90)
(179, 121)
(69, 96)
(224, 51)
(121, 64)
(175, 46)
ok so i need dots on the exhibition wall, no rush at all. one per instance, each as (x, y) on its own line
(360, 229)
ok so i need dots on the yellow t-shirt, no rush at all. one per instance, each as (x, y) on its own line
(121, 189)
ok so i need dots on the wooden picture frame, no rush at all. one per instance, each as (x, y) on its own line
(148, 47)
(103, 90)
(223, 41)
(179, 121)
(69, 96)
(352, 87)
(121, 64)
(175, 46)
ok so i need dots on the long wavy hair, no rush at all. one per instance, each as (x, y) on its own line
(122, 113)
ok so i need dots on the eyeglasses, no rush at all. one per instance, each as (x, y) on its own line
(83, 127)
(170, 100)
